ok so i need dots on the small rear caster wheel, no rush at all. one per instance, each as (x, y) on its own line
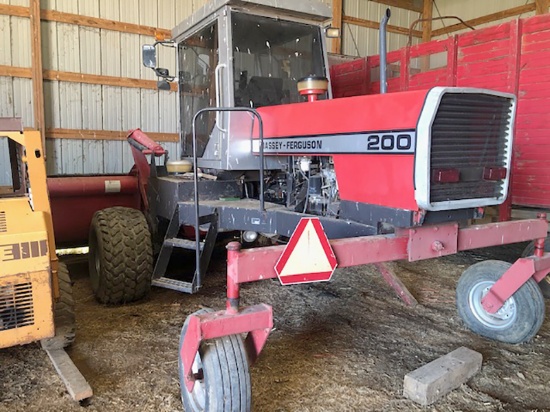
(222, 375)
(519, 319)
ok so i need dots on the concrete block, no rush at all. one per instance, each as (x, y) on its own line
(430, 382)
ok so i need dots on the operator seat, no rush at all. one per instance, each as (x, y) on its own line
(263, 91)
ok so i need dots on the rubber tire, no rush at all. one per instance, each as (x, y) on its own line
(529, 304)
(544, 284)
(121, 255)
(64, 313)
(226, 374)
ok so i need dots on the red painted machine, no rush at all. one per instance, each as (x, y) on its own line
(507, 57)
(385, 177)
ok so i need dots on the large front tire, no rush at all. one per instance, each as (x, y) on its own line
(544, 284)
(64, 313)
(223, 377)
(517, 321)
(121, 255)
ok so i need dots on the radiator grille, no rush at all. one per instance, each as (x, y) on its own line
(470, 132)
(16, 306)
(3, 222)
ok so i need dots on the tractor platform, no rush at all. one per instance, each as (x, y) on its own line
(246, 214)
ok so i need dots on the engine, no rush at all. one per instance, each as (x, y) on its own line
(393, 158)
(308, 186)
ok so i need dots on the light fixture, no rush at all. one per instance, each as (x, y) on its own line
(332, 32)
(250, 236)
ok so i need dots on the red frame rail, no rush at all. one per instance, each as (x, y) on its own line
(413, 244)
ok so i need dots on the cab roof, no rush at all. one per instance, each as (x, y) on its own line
(312, 10)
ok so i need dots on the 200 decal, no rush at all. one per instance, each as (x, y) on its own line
(390, 143)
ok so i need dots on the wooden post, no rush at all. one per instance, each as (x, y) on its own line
(36, 70)
(427, 24)
(542, 6)
(337, 22)
(427, 30)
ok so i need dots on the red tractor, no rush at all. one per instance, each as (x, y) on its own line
(377, 178)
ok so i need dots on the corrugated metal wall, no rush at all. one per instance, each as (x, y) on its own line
(362, 41)
(470, 9)
(16, 93)
(72, 48)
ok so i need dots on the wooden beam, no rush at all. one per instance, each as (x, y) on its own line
(72, 77)
(97, 23)
(489, 18)
(427, 23)
(414, 5)
(375, 25)
(77, 134)
(542, 6)
(36, 70)
(337, 12)
(12, 71)
(426, 31)
(103, 80)
(18, 11)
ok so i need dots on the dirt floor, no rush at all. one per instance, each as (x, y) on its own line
(339, 346)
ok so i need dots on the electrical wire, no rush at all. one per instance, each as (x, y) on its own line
(442, 21)
(354, 42)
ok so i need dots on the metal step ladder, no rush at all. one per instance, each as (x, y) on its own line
(203, 252)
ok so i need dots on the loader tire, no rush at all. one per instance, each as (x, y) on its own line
(121, 255)
(64, 317)
(544, 284)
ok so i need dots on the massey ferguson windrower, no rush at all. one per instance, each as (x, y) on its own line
(351, 181)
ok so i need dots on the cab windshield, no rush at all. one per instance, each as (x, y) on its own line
(270, 56)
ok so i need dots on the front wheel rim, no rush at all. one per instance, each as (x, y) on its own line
(502, 319)
(198, 395)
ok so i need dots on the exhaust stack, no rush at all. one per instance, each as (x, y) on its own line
(383, 51)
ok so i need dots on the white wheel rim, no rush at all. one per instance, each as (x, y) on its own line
(502, 319)
(198, 395)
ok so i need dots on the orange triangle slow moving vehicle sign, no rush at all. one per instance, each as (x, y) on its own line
(308, 256)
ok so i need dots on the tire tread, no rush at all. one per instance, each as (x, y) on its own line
(125, 249)
(64, 313)
(226, 373)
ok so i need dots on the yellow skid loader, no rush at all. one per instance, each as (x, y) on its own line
(36, 302)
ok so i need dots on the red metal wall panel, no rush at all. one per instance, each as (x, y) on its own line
(531, 174)
(350, 78)
(425, 77)
(484, 58)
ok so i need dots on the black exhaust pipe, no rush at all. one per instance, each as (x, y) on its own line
(383, 52)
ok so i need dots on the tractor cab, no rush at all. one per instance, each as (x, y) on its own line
(235, 53)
